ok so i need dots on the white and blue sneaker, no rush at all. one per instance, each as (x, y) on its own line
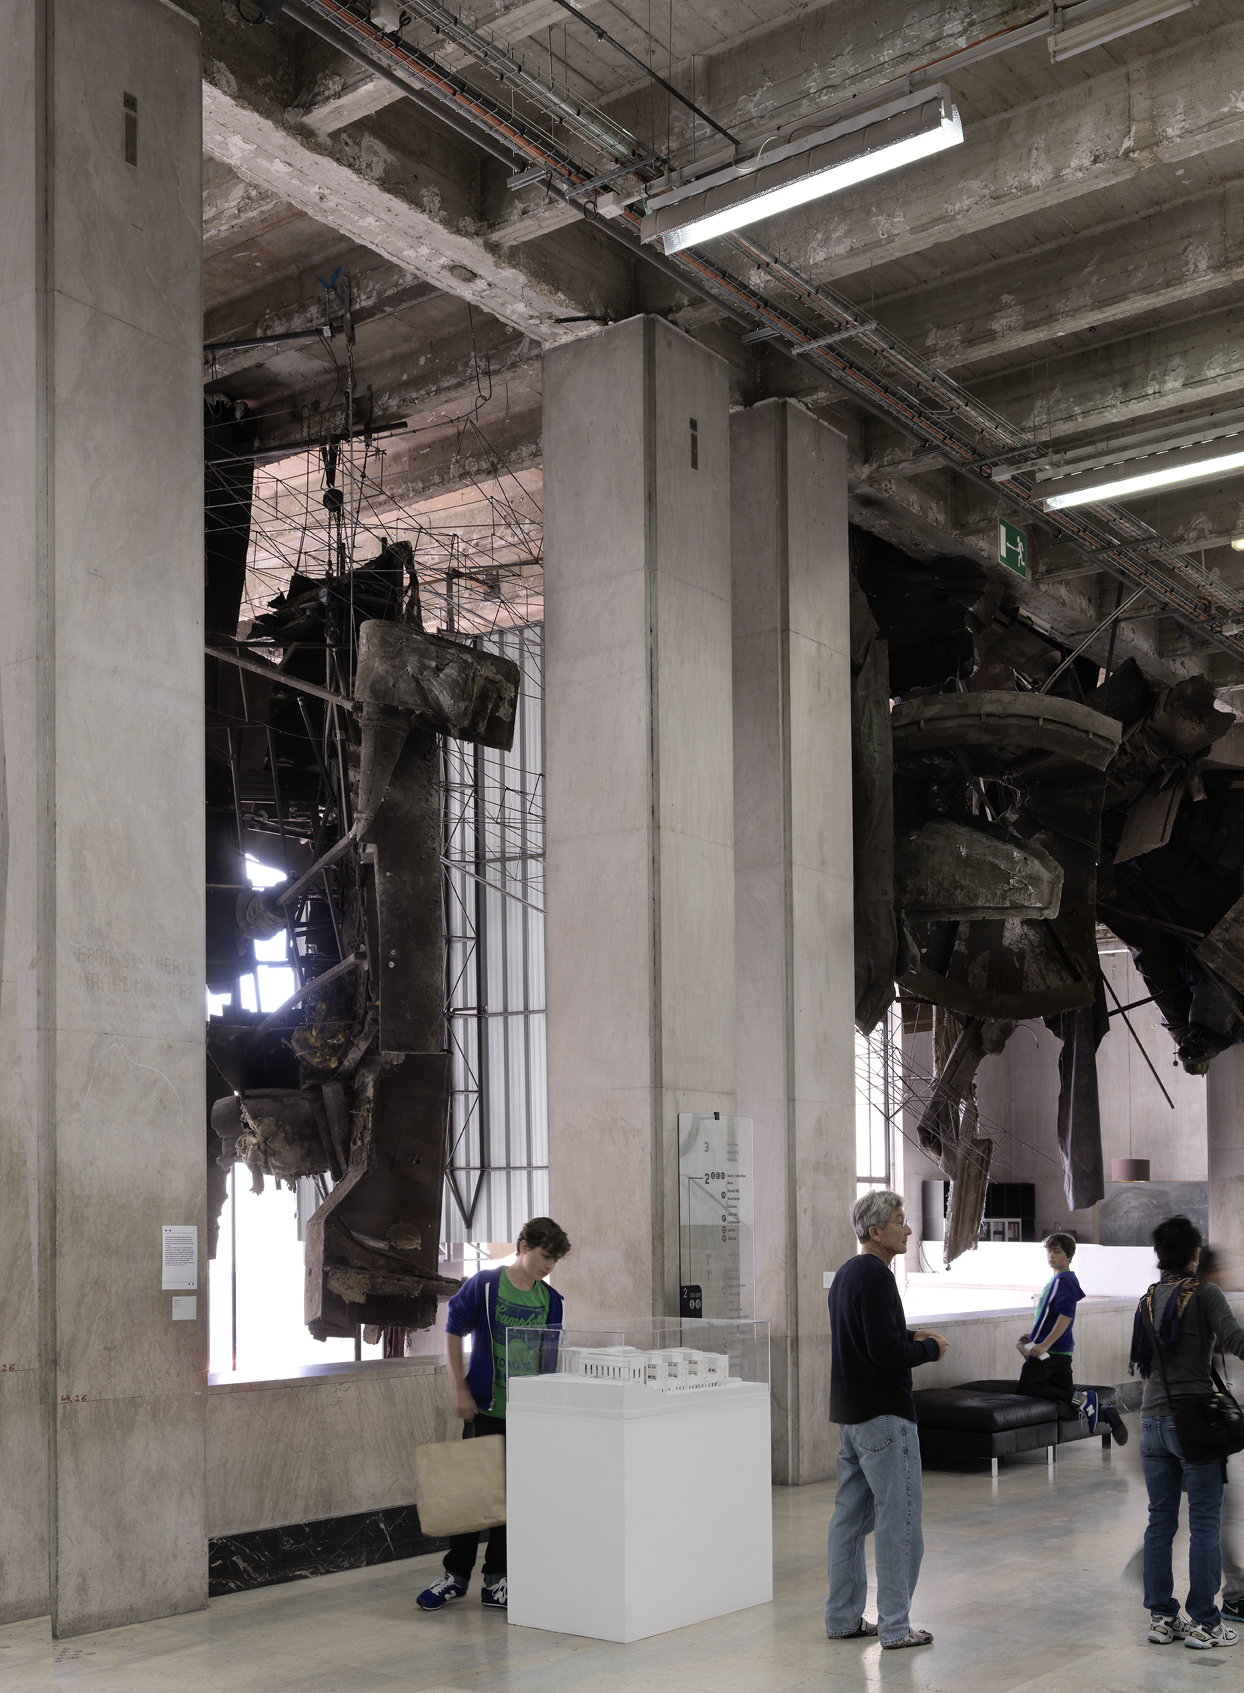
(1165, 1630)
(1085, 1401)
(495, 1595)
(1202, 1639)
(436, 1597)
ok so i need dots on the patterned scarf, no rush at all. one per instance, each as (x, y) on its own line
(1183, 1289)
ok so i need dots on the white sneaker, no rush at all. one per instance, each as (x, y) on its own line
(1202, 1639)
(1163, 1629)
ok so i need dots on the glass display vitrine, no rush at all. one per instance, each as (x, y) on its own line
(681, 1356)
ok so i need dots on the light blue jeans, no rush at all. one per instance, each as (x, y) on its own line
(879, 1489)
(1165, 1469)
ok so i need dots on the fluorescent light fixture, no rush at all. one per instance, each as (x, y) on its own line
(1237, 543)
(865, 145)
(1170, 476)
(1109, 26)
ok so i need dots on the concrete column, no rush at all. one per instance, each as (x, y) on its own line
(101, 682)
(794, 947)
(23, 1492)
(640, 832)
(1224, 1110)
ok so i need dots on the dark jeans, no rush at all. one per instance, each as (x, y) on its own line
(1050, 1380)
(1165, 1467)
(460, 1558)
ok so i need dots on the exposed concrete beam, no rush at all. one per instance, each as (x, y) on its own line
(531, 219)
(451, 383)
(1197, 363)
(1203, 518)
(374, 293)
(368, 193)
(398, 183)
(342, 93)
(777, 70)
(1177, 255)
(1167, 108)
(509, 25)
(235, 210)
(1185, 371)
(440, 460)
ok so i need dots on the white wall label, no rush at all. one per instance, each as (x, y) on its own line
(179, 1258)
(185, 1308)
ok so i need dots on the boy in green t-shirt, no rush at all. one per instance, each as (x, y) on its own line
(485, 1307)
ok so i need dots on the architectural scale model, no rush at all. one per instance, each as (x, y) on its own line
(676, 1369)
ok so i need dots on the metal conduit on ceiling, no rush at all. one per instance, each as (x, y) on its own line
(968, 433)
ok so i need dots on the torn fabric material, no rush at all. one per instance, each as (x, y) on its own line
(872, 783)
(949, 1124)
(1079, 1110)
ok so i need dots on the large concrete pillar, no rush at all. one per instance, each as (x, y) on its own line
(793, 885)
(639, 812)
(1224, 1111)
(101, 683)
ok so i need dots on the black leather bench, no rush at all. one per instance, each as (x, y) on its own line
(966, 1422)
(1071, 1425)
(991, 1419)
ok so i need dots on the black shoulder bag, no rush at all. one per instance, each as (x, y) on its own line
(1210, 1426)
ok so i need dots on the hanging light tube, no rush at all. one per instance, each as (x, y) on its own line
(865, 145)
(1195, 470)
(1109, 26)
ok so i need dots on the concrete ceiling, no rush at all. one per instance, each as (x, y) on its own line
(1075, 264)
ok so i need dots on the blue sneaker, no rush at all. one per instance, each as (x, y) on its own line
(495, 1596)
(1085, 1401)
(436, 1597)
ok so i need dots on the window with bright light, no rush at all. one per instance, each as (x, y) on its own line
(255, 1289)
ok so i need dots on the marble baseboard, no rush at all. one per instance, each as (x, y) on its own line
(269, 1556)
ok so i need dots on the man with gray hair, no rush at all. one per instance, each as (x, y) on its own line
(879, 1486)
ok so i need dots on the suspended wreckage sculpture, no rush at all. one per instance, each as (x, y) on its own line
(996, 825)
(998, 802)
(350, 1079)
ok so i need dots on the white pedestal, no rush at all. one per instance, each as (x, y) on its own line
(631, 1512)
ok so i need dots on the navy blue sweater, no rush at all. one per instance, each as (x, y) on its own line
(472, 1310)
(873, 1351)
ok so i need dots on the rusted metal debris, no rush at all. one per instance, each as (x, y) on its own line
(949, 1124)
(1023, 775)
(349, 1082)
(1020, 820)
(1173, 851)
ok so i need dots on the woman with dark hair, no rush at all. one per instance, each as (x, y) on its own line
(1211, 1269)
(1173, 1338)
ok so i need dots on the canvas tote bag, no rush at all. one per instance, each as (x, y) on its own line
(460, 1485)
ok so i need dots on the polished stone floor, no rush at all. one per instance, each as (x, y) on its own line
(1032, 1583)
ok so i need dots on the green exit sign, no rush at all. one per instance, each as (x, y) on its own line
(1012, 547)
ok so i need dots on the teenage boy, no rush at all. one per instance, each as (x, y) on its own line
(484, 1307)
(1049, 1343)
(879, 1484)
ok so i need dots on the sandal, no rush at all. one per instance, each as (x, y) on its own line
(865, 1628)
(913, 1637)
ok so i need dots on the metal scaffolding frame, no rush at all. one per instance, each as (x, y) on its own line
(878, 1073)
(493, 857)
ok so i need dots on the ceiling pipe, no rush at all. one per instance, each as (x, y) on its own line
(506, 151)
(1133, 555)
